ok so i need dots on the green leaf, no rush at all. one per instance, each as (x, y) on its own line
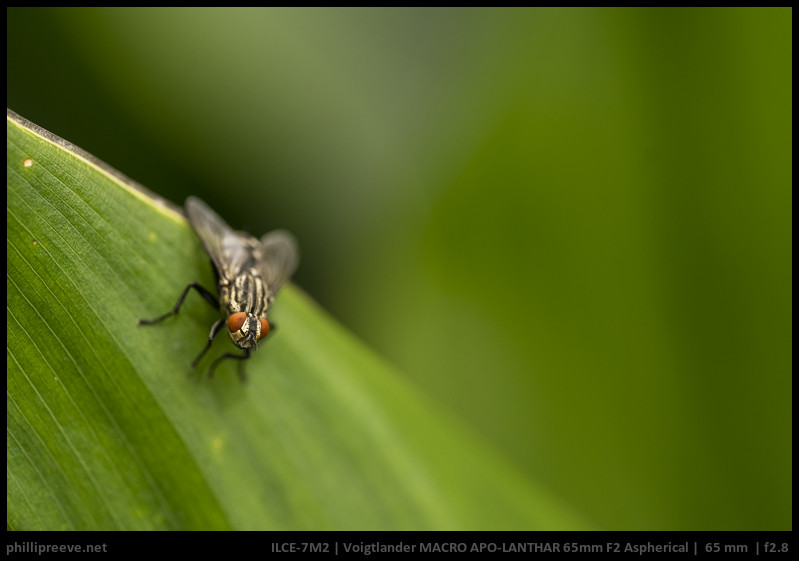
(110, 428)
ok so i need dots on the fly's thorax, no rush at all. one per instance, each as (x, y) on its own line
(247, 292)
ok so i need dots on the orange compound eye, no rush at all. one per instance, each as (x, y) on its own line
(264, 328)
(235, 321)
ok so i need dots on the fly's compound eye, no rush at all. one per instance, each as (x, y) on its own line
(235, 321)
(264, 328)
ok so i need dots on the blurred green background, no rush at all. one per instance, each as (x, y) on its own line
(572, 227)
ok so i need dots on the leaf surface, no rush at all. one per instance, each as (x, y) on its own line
(108, 426)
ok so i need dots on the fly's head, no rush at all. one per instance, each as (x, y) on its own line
(246, 329)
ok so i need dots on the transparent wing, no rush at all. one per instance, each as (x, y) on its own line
(278, 258)
(227, 249)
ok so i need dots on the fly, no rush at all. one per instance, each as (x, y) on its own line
(249, 273)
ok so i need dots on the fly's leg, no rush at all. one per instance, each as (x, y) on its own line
(210, 298)
(214, 330)
(231, 356)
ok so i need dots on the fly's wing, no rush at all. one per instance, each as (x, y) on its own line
(226, 248)
(278, 258)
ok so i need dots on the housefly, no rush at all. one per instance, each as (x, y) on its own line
(249, 273)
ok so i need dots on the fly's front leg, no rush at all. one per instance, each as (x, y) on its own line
(210, 298)
(231, 356)
(214, 330)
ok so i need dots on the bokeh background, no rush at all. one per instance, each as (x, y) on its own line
(571, 227)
